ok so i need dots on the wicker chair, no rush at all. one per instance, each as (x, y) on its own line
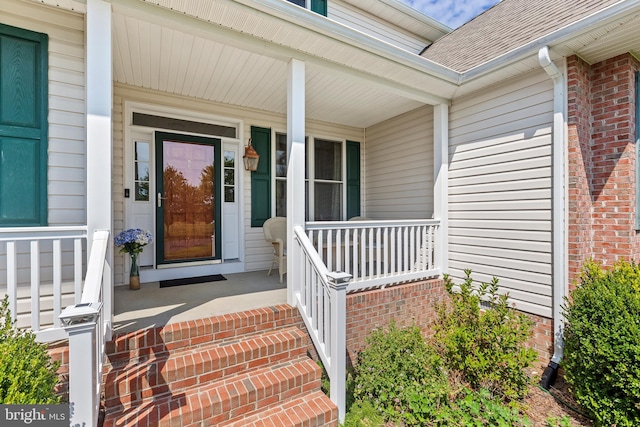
(275, 232)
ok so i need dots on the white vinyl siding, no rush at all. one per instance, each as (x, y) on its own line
(257, 253)
(398, 173)
(500, 214)
(374, 26)
(66, 146)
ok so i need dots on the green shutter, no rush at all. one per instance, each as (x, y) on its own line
(23, 127)
(319, 6)
(353, 179)
(261, 178)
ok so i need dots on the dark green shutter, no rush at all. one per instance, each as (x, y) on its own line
(261, 178)
(353, 179)
(319, 6)
(23, 127)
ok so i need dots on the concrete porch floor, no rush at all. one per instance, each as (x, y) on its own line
(155, 306)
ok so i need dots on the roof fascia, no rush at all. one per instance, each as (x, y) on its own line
(418, 16)
(563, 34)
(321, 25)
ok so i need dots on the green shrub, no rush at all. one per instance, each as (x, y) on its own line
(478, 408)
(486, 347)
(27, 375)
(363, 414)
(397, 364)
(602, 343)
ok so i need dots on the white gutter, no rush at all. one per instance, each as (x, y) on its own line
(560, 289)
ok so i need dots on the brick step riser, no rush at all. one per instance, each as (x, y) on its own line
(233, 400)
(311, 410)
(193, 334)
(159, 377)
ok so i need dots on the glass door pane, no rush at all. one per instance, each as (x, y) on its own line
(188, 187)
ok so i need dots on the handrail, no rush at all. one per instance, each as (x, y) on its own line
(321, 300)
(89, 326)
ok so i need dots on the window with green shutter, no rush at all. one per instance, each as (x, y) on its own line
(261, 178)
(23, 127)
(317, 6)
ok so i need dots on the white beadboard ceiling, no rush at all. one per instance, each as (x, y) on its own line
(148, 54)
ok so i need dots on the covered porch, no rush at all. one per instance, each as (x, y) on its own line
(242, 66)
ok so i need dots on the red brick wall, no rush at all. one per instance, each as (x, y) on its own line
(414, 303)
(406, 304)
(601, 120)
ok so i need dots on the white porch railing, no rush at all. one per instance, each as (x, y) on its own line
(321, 299)
(44, 267)
(43, 273)
(341, 257)
(378, 253)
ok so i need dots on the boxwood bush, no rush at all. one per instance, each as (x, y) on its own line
(27, 375)
(602, 343)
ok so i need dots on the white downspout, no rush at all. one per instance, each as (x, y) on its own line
(559, 153)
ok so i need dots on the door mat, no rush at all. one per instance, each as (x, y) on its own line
(191, 280)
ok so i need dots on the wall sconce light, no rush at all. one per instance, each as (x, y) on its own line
(250, 157)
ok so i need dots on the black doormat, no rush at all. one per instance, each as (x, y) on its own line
(191, 280)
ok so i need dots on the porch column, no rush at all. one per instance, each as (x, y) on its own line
(99, 133)
(441, 182)
(295, 170)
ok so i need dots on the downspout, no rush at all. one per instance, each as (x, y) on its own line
(559, 272)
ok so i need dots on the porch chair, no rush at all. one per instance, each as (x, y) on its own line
(275, 232)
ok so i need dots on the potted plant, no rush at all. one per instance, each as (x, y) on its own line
(133, 241)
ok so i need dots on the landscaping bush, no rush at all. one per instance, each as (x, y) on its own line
(27, 375)
(471, 373)
(602, 343)
(395, 365)
(486, 347)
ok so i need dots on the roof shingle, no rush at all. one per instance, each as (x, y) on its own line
(505, 27)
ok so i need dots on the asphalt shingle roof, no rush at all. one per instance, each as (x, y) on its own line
(505, 27)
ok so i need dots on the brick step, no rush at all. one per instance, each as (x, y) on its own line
(233, 400)
(128, 347)
(314, 410)
(176, 371)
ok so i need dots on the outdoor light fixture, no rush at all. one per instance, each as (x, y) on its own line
(250, 157)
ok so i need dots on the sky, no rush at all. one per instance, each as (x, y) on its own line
(452, 13)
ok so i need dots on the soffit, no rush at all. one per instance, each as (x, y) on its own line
(149, 55)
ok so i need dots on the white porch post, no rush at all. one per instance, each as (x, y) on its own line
(99, 133)
(295, 171)
(441, 182)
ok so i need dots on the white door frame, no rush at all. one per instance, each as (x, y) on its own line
(130, 133)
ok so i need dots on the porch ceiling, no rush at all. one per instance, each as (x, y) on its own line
(208, 62)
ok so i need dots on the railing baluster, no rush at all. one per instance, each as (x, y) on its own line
(412, 248)
(338, 250)
(347, 264)
(35, 285)
(329, 249)
(57, 282)
(12, 279)
(77, 270)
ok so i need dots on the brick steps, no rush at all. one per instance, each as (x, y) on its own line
(182, 375)
(173, 372)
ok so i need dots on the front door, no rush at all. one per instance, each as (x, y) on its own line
(188, 198)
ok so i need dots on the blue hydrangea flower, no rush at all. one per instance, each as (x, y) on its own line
(133, 240)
